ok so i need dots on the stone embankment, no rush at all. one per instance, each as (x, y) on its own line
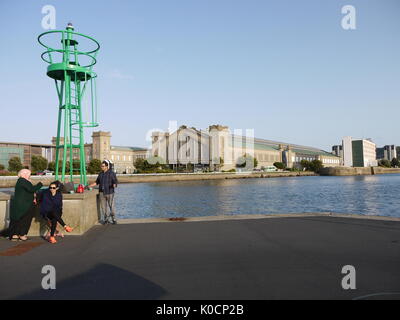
(347, 171)
(9, 182)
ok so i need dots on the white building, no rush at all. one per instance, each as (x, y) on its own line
(218, 149)
(359, 152)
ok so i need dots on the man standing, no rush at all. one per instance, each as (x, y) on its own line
(107, 182)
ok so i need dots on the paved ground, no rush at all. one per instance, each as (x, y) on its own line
(281, 258)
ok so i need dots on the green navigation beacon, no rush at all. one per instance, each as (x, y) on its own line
(71, 69)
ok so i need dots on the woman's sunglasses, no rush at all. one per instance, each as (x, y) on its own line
(53, 188)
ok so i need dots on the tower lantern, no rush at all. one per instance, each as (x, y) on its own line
(71, 68)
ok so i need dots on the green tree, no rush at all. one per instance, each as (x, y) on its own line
(190, 167)
(384, 163)
(395, 163)
(2, 167)
(316, 165)
(246, 161)
(306, 164)
(280, 165)
(94, 166)
(14, 164)
(255, 162)
(38, 163)
(51, 166)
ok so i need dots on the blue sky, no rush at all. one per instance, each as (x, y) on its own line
(287, 69)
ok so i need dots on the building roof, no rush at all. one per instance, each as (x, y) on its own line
(128, 148)
(28, 144)
(263, 144)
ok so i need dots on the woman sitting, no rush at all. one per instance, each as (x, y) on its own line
(51, 209)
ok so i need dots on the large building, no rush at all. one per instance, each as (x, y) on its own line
(388, 152)
(100, 148)
(218, 149)
(338, 151)
(25, 151)
(122, 157)
(359, 152)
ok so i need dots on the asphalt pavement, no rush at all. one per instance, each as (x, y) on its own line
(281, 258)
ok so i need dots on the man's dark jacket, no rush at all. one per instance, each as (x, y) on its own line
(106, 181)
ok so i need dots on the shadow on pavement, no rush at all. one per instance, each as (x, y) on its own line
(104, 281)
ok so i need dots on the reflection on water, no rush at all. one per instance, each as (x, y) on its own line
(367, 195)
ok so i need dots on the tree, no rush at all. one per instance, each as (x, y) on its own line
(247, 161)
(255, 162)
(190, 167)
(76, 165)
(2, 167)
(38, 163)
(280, 165)
(385, 163)
(305, 164)
(395, 163)
(316, 165)
(94, 166)
(14, 164)
(51, 166)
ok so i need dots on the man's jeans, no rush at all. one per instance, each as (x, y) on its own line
(107, 204)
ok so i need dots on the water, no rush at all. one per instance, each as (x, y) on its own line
(365, 195)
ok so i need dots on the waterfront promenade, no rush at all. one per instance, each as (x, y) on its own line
(253, 257)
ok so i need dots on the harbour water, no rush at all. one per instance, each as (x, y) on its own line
(365, 195)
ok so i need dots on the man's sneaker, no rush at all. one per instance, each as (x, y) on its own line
(114, 221)
(68, 229)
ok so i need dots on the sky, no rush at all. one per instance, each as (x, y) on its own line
(286, 69)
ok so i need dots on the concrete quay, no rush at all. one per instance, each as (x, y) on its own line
(10, 181)
(266, 257)
(80, 210)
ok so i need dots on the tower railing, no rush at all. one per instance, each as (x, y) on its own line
(75, 83)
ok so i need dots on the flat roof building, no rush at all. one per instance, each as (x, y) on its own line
(359, 152)
(100, 148)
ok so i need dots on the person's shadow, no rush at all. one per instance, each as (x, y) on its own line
(104, 281)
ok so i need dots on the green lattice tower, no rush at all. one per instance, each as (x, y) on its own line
(72, 72)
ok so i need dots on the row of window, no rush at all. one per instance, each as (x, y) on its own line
(127, 158)
(267, 157)
(327, 161)
(299, 159)
(331, 161)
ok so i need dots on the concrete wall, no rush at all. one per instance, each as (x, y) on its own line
(81, 211)
(350, 171)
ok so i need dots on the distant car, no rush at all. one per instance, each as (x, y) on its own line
(44, 173)
(270, 169)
